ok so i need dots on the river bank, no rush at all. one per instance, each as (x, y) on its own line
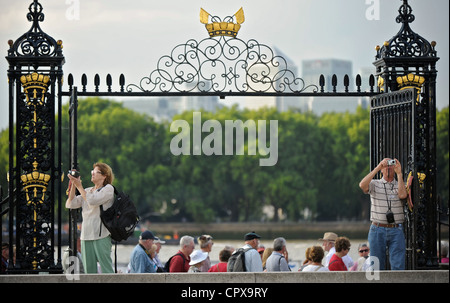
(267, 230)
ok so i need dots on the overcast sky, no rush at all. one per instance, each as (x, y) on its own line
(112, 36)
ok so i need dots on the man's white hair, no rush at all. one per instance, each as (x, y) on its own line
(186, 240)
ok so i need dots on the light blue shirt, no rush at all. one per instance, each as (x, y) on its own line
(253, 261)
(140, 262)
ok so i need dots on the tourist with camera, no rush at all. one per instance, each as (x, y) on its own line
(386, 213)
(95, 238)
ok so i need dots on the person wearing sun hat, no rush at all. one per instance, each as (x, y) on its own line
(197, 259)
(329, 238)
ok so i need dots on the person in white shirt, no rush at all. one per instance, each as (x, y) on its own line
(95, 238)
(316, 254)
(328, 245)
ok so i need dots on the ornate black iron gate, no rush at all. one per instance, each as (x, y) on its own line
(35, 81)
(402, 123)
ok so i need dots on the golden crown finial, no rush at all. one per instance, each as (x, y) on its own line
(35, 80)
(217, 27)
(410, 80)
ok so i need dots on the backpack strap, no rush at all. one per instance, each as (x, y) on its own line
(170, 260)
(115, 190)
(101, 206)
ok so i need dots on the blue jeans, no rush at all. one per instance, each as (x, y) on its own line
(392, 238)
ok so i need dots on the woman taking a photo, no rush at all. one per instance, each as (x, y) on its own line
(95, 238)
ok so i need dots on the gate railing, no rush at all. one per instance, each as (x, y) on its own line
(397, 130)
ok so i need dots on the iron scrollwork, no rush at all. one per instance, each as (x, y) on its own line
(222, 64)
(35, 42)
(407, 43)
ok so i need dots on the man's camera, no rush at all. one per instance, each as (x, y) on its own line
(391, 162)
(390, 217)
(74, 173)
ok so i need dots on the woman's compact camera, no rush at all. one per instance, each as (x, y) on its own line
(391, 162)
(390, 217)
(74, 173)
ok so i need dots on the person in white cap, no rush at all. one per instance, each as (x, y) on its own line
(159, 264)
(197, 259)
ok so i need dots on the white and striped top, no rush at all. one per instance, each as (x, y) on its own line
(381, 192)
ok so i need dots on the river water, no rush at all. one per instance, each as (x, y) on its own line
(296, 250)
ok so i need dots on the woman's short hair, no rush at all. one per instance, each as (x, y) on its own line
(106, 171)
(316, 254)
(342, 243)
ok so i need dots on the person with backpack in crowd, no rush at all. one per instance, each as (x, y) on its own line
(278, 260)
(180, 261)
(95, 238)
(141, 259)
(250, 256)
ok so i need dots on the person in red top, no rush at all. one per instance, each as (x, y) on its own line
(180, 261)
(224, 255)
(342, 246)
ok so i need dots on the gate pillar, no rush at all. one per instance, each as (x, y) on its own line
(409, 60)
(35, 78)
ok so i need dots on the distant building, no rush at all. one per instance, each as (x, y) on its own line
(164, 108)
(313, 69)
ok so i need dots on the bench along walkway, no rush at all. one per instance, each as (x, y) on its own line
(420, 276)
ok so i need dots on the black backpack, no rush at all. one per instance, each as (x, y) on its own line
(167, 265)
(121, 218)
(236, 263)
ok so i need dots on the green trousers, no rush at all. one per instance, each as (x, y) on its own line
(94, 251)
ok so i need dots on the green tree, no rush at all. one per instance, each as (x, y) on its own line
(348, 162)
(131, 143)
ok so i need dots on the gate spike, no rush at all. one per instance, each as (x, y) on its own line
(108, 82)
(346, 83)
(334, 82)
(70, 81)
(358, 83)
(122, 82)
(321, 82)
(84, 82)
(96, 82)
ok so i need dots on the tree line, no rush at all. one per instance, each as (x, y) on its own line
(321, 160)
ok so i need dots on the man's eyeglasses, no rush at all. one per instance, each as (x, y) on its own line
(363, 250)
